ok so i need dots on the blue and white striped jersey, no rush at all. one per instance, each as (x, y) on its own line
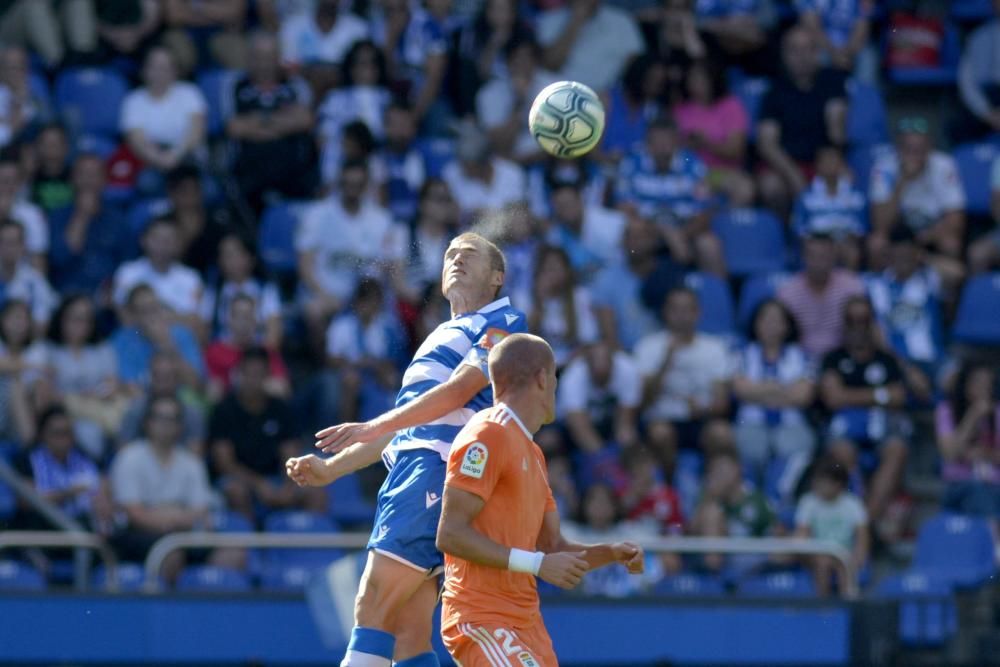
(464, 339)
(674, 195)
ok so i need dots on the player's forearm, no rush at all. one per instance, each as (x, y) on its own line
(596, 555)
(436, 403)
(357, 456)
(467, 543)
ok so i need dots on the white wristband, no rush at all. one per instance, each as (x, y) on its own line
(525, 561)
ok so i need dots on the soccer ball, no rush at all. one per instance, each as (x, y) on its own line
(566, 119)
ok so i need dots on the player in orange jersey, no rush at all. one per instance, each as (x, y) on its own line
(499, 526)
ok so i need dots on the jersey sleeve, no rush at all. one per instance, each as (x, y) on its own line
(504, 323)
(477, 459)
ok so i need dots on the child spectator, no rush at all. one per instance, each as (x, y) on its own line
(833, 205)
(830, 513)
(968, 439)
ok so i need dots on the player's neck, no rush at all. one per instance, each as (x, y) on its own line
(527, 410)
(466, 303)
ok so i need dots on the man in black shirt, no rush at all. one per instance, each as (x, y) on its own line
(803, 111)
(270, 127)
(862, 387)
(251, 435)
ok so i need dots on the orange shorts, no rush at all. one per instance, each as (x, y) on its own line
(489, 645)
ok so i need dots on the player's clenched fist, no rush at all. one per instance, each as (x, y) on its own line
(309, 470)
(630, 555)
(563, 569)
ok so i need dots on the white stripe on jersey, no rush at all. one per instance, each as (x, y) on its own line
(445, 335)
(426, 370)
(459, 417)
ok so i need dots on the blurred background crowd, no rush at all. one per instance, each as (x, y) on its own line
(771, 290)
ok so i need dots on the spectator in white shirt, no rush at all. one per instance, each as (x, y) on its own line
(599, 394)
(164, 121)
(20, 280)
(480, 182)
(340, 240)
(503, 103)
(14, 206)
(177, 286)
(685, 382)
(588, 41)
(920, 187)
(316, 41)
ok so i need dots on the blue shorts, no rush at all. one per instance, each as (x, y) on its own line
(408, 509)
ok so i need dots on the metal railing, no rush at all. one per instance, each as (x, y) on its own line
(74, 539)
(705, 545)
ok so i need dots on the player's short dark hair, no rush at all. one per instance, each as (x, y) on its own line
(834, 471)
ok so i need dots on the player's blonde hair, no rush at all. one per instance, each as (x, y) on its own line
(516, 359)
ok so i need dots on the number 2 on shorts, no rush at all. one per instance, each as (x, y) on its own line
(510, 648)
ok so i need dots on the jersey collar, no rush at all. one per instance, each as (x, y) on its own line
(490, 307)
(506, 408)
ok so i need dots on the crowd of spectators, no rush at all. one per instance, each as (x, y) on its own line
(157, 363)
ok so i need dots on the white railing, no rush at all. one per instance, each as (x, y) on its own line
(357, 541)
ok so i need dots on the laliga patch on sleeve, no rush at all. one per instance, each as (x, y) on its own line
(474, 460)
(491, 338)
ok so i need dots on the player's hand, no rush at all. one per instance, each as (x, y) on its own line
(563, 569)
(630, 555)
(334, 438)
(309, 470)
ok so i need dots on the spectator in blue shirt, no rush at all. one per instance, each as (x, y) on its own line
(416, 49)
(90, 237)
(833, 205)
(841, 27)
(907, 299)
(736, 31)
(147, 331)
(669, 184)
(403, 167)
(623, 315)
(635, 101)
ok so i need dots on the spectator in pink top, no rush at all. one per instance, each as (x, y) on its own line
(968, 438)
(816, 295)
(715, 125)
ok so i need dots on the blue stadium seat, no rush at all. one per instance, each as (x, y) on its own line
(687, 479)
(778, 585)
(690, 585)
(753, 240)
(277, 238)
(89, 100)
(212, 579)
(716, 303)
(130, 577)
(346, 504)
(956, 549)
(944, 74)
(8, 502)
(97, 144)
(751, 93)
(227, 521)
(286, 578)
(756, 290)
(39, 87)
(971, 11)
(927, 613)
(15, 576)
(217, 87)
(861, 159)
(980, 296)
(867, 119)
(299, 522)
(975, 163)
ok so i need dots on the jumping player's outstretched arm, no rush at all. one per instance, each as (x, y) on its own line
(457, 537)
(452, 394)
(312, 470)
(551, 540)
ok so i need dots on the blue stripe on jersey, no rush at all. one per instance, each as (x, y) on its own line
(464, 339)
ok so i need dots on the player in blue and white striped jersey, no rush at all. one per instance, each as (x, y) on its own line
(444, 386)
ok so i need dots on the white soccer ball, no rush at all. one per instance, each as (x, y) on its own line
(566, 119)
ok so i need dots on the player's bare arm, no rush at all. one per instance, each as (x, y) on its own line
(450, 395)
(312, 470)
(457, 537)
(550, 540)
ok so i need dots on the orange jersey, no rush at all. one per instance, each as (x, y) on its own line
(495, 458)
